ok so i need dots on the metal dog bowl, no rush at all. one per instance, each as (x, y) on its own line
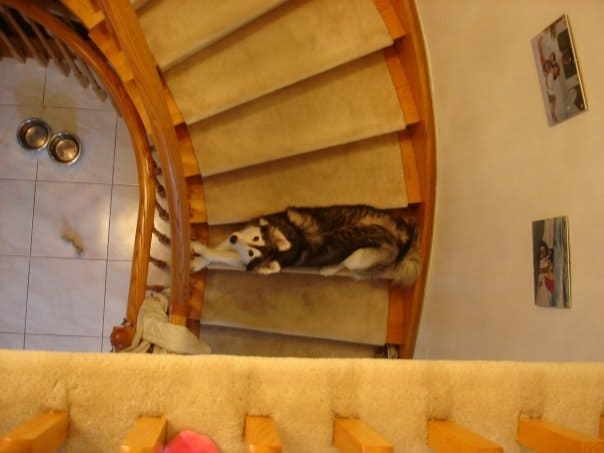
(33, 134)
(65, 148)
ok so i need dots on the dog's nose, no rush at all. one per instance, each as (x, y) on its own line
(233, 239)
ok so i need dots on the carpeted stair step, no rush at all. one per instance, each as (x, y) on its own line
(233, 341)
(295, 41)
(338, 309)
(346, 104)
(176, 29)
(365, 172)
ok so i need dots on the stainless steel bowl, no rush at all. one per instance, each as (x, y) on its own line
(34, 134)
(65, 148)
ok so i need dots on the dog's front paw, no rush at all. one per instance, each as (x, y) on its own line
(328, 271)
(270, 267)
(198, 247)
(198, 263)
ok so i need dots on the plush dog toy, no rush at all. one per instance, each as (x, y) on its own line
(191, 442)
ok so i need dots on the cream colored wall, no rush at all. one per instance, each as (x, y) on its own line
(499, 168)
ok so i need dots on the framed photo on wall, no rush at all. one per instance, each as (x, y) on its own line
(558, 71)
(551, 262)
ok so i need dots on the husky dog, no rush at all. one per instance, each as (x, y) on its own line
(369, 242)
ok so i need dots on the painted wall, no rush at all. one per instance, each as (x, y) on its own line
(500, 166)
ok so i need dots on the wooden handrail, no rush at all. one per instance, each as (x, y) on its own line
(120, 16)
(96, 62)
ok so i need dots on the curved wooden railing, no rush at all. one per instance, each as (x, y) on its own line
(122, 20)
(65, 38)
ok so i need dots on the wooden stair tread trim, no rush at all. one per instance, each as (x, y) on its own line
(313, 179)
(409, 158)
(355, 436)
(147, 434)
(546, 437)
(413, 59)
(445, 436)
(43, 432)
(104, 40)
(187, 153)
(319, 46)
(191, 28)
(197, 200)
(261, 435)
(401, 83)
(199, 232)
(317, 113)
(301, 305)
(391, 19)
(86, 11)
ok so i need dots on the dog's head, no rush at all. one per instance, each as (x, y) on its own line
(258, 246)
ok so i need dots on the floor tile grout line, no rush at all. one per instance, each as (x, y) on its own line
(109, 232)
(31, 241)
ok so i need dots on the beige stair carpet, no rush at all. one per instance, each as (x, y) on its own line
(176, 29)
(348, 103)
(294, 41)
(333, 308)
(365, 172)
(224, 340)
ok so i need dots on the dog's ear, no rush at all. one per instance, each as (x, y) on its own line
(269, 267)
(281, 241)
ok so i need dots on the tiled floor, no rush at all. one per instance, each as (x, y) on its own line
(51, 297)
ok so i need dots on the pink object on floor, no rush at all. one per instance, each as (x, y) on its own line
(191, 442)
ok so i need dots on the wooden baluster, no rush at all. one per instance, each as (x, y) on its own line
(261, 435)
(96, 87)
(71, 63)
(161, 237)
(48, 46)
(545, 437)
(26, 40)
(17, 53)
(162, 212)
(163, 265)
(147, 435)
(43, 433)
(449, 437)
(351, 435)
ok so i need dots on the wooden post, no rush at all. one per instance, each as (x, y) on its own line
(546, 437)
(43, 433)
(147, 435)
(261, 435)
(354, 436)
(448, 437)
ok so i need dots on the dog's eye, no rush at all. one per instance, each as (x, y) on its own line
(256, 238)
(250, 253)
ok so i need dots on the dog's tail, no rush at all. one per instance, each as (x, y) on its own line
(407, 266)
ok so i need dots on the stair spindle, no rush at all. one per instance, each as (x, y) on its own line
(26, 40)
(160, 264)
(161, 237)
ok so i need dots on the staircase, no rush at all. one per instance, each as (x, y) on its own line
(278, 103)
